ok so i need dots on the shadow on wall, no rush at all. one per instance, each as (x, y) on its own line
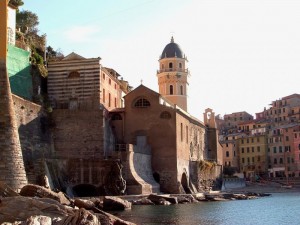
(34, 137)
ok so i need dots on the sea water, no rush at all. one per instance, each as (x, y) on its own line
(277, 209)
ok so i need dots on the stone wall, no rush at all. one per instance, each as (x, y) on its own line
(72, 172)
(34, 136)
(78, 133)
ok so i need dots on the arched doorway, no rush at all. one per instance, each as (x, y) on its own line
(185, 184)
(156, 177)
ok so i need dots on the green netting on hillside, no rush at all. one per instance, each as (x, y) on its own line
(18, 67)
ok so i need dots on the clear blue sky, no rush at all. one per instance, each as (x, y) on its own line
(243, 54)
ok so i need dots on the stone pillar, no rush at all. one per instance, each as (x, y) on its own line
(12, 170)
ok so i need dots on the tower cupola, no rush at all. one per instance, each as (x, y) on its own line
(172, 75)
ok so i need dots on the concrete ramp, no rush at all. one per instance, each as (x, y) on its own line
(232, 183)
(140, 177)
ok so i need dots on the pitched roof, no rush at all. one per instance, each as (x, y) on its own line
(73, 56)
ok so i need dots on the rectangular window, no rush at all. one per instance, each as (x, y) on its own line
(252, 140)
(181, 131)
(226, 144)
(247, 140)
(258, 148)
(287, 138)
(248, 159)
(280, 148)
(187, 134)
(233, 153)
(253, 159)
(242, 141)
(258, 158)
(258, 139)
(115, 102)
(227, 153)
(274, 149)
(243, 160)
(109, 99)
(248, 150)
(252, 149)
(242, 150)
(103, 95)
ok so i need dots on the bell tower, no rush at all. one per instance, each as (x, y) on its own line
(172, 75)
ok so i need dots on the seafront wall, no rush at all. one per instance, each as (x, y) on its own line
(232, 183)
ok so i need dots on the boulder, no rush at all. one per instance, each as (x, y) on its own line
(6, 191)
(182, 199)
(43, 211)
(107, 218)
(38, 220)
(31, 190)
(80, 217)
(114, 203)
(157, 199)
(20, 208)
(143, 201)
(86, 204)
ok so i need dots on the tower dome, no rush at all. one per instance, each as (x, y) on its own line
(173, 75)
(172, 50)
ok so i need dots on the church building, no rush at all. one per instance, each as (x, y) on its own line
(158, 124)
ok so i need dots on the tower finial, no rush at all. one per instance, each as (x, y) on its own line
(172, 39)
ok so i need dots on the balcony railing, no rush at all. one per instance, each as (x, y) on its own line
(173, 70)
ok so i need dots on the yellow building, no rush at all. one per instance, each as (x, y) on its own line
(252, 151)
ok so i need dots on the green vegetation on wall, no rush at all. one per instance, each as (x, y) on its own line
(18, 67)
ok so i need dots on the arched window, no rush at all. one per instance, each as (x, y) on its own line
(116, 117)
(171, 89)
(170, 65)
(180, 65)
(142, 103)
(181, 90)
(165, 115)
(74, 74)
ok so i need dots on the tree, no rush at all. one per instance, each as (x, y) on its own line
(27, 21)
(16, 3)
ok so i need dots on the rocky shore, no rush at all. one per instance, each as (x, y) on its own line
(36, 205)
